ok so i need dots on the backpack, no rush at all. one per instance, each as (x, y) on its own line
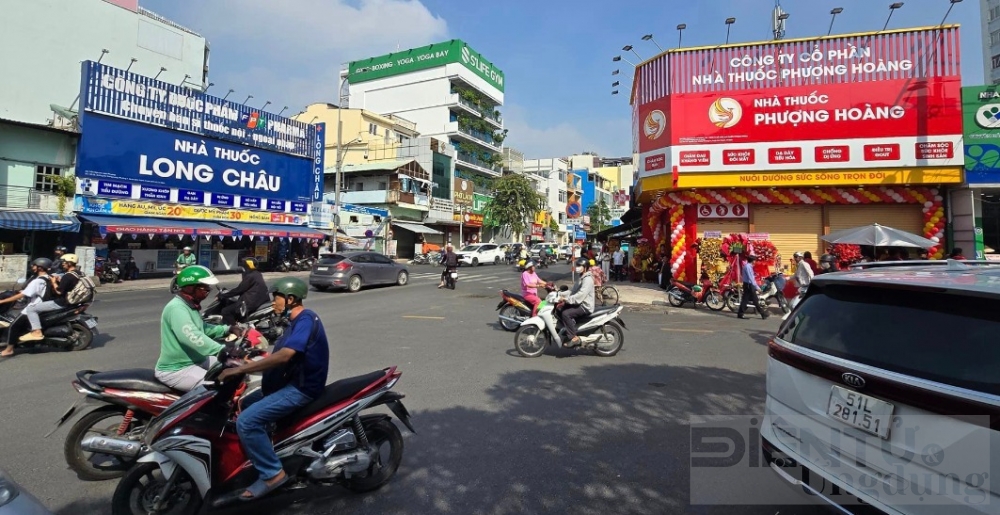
(83, 292)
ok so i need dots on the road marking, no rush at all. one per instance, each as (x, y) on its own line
(423, 317)
(674, 329)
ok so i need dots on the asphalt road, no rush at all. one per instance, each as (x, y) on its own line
(497, 433)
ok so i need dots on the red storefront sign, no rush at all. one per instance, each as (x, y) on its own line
(784, 155)
(739, 156)
(656, 162)
(537, 230)
(934, 150)
(833, 154)
(881, 152)
(695, 158)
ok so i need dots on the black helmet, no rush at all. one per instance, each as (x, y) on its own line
(250, 263)
(43, 263)
(582, 261)
(60, 248)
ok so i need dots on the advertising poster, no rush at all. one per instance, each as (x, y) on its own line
(981, 124)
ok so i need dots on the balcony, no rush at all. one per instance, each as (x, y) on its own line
(383, 197)
(474, 163)
(463, 104)
(23, 197)
(483, 139)
(492, 118)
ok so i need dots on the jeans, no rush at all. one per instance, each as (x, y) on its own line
(33, 312)
(569, 314)
(253, 421)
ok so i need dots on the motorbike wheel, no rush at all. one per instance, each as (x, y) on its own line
(675, 297)
(82, 336)
(282, 268)
(380, 434)
(139, 489)
(509, 312)
(94, 466)
(783, 304)
(733, 301)
(173, 286)
(530, 341)
(614, 333)
(714, 301)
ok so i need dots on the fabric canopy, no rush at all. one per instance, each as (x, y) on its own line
(620, 231)
(276, 230)
(34, 221)
(876, 235)
(416, 227)
(150, 225)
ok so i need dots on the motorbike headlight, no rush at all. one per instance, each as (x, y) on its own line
(8, 490)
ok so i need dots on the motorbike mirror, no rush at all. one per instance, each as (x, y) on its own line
(22, 281)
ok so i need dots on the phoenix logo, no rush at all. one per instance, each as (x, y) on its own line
(655, 124)
(725, 113)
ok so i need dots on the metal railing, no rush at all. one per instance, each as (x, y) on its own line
(486, 139)
(465, 157)
(468, 104)
(24, 197)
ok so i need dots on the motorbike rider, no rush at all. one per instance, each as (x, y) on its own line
(61, 285)
(56, 266)
(294, 375)
(187, 344)
(827, 263)
(580, 303)
(450, 261)
(750, 288)
(529, 282)
(252, 292)
(185, 259)
(35, 292)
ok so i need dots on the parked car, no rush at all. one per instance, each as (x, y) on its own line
(480, 253)
(354, 270)
(536, 249)
(14, 500)
(564, 251)
(881, 385)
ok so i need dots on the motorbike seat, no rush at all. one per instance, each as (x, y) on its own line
(140, 379)
(687, 284)
(603, 309)
(334, 393)
(261, 312)
(54, 315)
(515, 296)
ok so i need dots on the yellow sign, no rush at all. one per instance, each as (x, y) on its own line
(807, 178)
(95, 206)
(542, 217)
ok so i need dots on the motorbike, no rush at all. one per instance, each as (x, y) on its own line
(304, 264)
(601, 331)
(772, 287)
(682, 292)
(70, 328)
(126, 402)
(285, 265)
(514, 310)
(107, 271)
(450, 278)
(419, 259)
(263, 319)
(195, 456)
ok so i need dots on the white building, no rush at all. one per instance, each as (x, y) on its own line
(990, 19)
(550, 177)
(449, 90)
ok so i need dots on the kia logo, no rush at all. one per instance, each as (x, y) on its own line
(853, 380)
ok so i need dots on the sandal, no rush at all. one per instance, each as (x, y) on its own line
(575, 342)
(260, 488)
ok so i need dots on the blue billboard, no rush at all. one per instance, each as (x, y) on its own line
(176, 166)
(118, 93)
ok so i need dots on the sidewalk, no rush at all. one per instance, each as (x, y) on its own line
(164, 282)
(640, 293)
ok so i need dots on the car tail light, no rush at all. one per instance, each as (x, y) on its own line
(343, 265)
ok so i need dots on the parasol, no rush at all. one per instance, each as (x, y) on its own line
(876, 235)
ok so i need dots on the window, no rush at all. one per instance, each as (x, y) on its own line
(330, 259)
(46, 177)
(403, 140)
(372, 129)
(359, 186)
(382, 185)
(995, 38)
(362, 258)
(388, 136)
(354, 219)
(994, 12)
(381, 260)
(562, 196)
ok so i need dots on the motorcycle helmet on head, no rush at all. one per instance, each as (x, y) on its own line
(250, 263)
(196, 274)
(60, 249)
(70, 258)
(43, 263)
(529, 264)
(582, 261)
(290, 286)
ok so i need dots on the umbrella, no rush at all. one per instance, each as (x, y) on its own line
(876, 235)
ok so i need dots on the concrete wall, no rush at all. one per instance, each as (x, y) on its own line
(12, 268)
(52, 37)
(24, 148)
(966, 211)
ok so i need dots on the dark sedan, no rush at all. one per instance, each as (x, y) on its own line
(353, 270)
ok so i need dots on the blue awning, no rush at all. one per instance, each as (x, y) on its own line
(150, 225)
(35, 221)
(275, 230)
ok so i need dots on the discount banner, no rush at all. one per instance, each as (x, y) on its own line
(97, 206)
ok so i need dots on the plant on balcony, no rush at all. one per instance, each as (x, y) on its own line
(496, 115)
(600, 216)
(514, 204)
(470, 96)
(494, 159)
(65, 187)
(499, 136)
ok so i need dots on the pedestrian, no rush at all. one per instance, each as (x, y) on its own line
(618, 261)
(750, 289)
(803, 272)
(956, 253)
(606, 261)
(665, 274)
(807, 257)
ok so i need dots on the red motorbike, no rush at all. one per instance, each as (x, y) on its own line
(195, 456)
(682, 292)
(99, 445)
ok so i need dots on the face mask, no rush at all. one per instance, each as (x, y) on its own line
(579, 269)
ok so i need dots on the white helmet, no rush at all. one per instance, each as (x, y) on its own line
(529, 264)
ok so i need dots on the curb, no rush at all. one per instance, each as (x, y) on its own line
(165, 285)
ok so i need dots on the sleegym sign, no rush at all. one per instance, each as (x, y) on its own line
(423, 58)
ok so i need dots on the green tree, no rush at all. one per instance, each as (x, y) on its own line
(600, 216)
(553, 225)
(514, 204)
(65, 187)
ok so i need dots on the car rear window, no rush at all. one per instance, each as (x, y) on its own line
(330, 259)
(938, 336)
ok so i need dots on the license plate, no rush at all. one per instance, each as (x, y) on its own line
(866, 413)
(322, 268)
(91, 323)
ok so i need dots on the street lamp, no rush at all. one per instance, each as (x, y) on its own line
(162, 69)
(186, 77)
(282, 110)
(248, 99)
(729, 24)
(227, 94)
(614, 72)
(615, 83)
(263, 107)
(892, 8)
(950, 5)
(614, 92)
(680, 33)
(134, 60)
(103, 51)
(833, 16)
(649, 37)
(779, 28)
(210, 84)
(628, 48)
(619, 58)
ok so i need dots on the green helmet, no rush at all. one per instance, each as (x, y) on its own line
(196, 274)
(290, 286)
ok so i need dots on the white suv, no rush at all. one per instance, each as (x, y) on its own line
(884, 386)
(480, 253)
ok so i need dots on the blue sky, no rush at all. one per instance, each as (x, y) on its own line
(555, 54)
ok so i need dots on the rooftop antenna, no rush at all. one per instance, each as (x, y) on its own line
(778, 18)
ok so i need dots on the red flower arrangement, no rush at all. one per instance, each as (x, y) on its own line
(846, 254)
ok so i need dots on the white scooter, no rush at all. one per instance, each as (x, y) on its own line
(601, 331)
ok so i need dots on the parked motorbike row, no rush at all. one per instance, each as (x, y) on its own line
(715, 299)
(303, 264)
(427, 258)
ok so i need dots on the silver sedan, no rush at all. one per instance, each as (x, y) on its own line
(353, 270)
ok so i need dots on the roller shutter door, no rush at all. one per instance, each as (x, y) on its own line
(726, 227)
(790, 228)
(905, 217)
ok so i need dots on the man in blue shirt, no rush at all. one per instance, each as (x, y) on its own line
(750, 288)
(294, 375)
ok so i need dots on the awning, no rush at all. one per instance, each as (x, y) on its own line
(150, 225)
(631, 215)
(621, 231)
(34, 221)
(276, 230)
(416, 227)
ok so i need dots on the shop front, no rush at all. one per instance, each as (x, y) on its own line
(161, 167)
(792, 148)
(975, 209)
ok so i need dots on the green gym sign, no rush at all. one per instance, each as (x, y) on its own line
(423, 58)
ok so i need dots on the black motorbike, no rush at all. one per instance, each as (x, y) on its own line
(110, 271)
(69, 328)
(263, 319)
(450, 277)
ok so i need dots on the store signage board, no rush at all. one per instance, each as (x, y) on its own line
(123, 207)
(981, 123)
(723, 211)
(423, 58)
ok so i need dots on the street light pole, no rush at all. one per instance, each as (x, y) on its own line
(339, 164)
